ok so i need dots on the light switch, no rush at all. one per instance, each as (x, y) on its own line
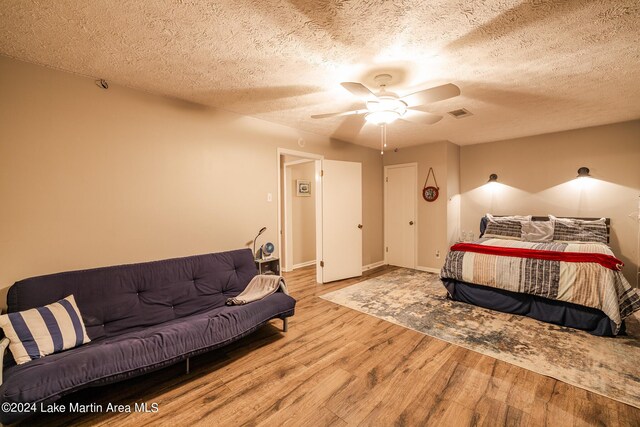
(269, 197)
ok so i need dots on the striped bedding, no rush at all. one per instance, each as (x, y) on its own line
(585, 283)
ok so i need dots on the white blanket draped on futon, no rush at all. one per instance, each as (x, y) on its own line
(259, 287)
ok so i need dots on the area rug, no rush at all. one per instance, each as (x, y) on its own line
(417, 300)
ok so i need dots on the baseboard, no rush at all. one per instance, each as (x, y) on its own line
(428, 269)
(374, 265)
(364, 267)
(304, 264)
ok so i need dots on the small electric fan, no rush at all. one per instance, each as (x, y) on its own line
(266, 250)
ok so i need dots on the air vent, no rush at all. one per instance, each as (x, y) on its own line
(463, 112)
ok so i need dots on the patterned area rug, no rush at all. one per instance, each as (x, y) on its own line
(417, 300)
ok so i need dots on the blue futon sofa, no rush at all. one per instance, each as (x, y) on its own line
(139, 317)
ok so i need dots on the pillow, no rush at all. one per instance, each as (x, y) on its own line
(578, 230)
(45, 330)
(509, 218)
(505, 227)
(537, 231)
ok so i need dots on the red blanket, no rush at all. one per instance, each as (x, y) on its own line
(604, 260)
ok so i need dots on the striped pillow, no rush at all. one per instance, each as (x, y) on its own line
(576, 230)
(505, 227)
(45, 330)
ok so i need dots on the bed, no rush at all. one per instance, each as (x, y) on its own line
(563, 273)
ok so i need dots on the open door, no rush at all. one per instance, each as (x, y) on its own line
(342, 220)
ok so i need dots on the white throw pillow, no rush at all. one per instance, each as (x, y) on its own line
(537, 231)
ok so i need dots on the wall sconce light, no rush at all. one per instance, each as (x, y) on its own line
(493, 178)
(583, 172)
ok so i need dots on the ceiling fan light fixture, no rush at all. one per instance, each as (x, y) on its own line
(387, 104)
(385, 110)
(383, 117)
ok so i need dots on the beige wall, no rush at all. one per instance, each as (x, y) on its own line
(303, 210)
(453, 193)
(538, 174)
(432, 216)
(90, 177)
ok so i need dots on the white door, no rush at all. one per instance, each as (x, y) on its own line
(400, 226)
(341, 220)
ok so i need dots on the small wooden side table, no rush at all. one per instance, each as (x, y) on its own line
(268, 266)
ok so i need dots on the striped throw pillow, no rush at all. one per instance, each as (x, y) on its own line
(505, 227)
(44, 330)
(576, 230)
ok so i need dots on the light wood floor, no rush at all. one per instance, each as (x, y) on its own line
(339, 367)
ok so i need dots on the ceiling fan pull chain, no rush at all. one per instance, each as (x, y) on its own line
(385, 135)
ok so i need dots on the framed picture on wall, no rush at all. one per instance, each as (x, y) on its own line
(303, 187)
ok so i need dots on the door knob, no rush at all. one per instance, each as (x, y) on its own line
(360, 226)
(410, 222)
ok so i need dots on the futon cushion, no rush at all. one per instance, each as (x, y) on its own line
(115, 300)
(40, 331)
(119, 357)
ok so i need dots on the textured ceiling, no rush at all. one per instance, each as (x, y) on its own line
(524, 67)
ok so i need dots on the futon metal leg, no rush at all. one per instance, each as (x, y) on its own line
(187, 366)
(285, 324)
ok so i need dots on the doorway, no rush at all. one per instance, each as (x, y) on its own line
(336, 190)
(299, 223)
(294, 166)
(400, 214)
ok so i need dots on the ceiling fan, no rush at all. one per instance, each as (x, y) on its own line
(386, 107)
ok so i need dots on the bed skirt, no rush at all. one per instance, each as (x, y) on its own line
(560, 313)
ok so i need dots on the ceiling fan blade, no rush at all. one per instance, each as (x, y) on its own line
(421, 108)
(422, 117)
(358, 89)
(434, 94)
(349, 129)
(344, 113)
